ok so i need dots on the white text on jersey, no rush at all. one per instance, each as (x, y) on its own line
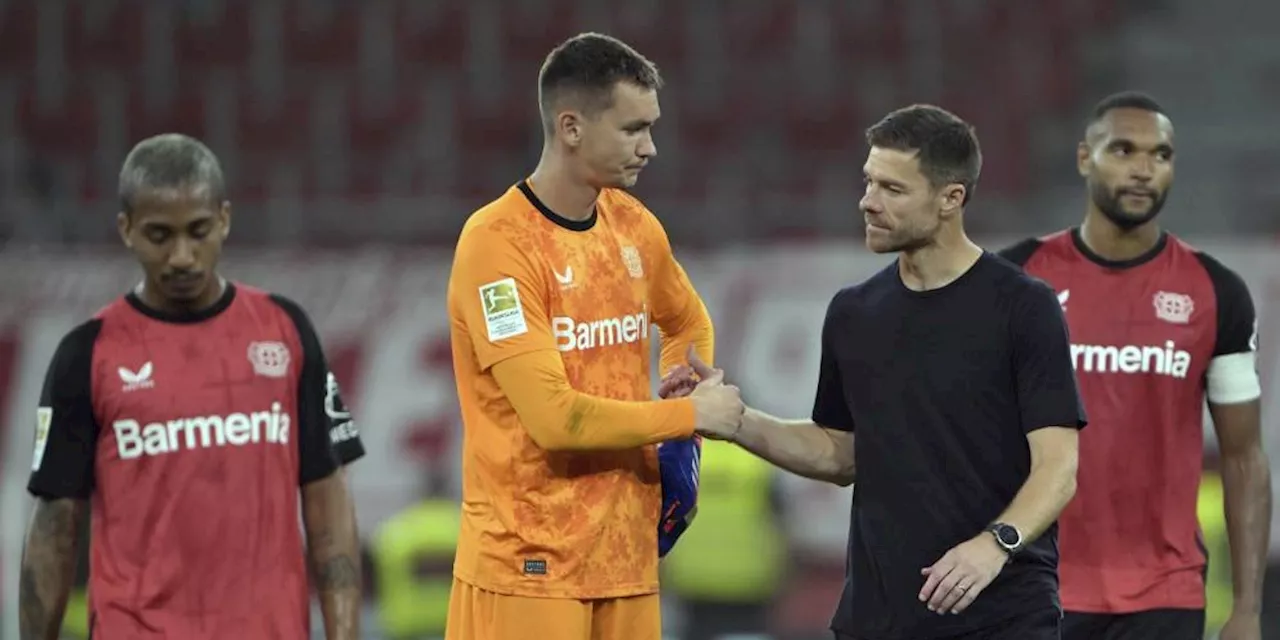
(1168, 360)
(572, 335)
(134, 440)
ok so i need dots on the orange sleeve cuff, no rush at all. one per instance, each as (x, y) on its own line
(558, 417)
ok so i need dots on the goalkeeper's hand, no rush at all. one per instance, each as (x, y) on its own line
(678, 461)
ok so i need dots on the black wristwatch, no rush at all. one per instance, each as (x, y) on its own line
(1008, 537)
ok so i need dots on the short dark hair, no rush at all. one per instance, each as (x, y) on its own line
(947, 146)
(1124, 100)
(589, 65)
(168, 161)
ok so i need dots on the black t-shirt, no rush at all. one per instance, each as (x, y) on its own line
(941, 388)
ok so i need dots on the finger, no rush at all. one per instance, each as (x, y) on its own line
(701, 368)
(967, 599)
(936, 573)
(669, 386)
(680, 391)
(713, 378)
(954, 592)
(942, 598)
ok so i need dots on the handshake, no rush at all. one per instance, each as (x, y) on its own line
(718, 405)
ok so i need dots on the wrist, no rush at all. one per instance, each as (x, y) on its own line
(1007, 538)
(1250, 607)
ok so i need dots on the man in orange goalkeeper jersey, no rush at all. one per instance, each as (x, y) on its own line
(553, 289)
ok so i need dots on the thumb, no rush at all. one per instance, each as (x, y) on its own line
(701, 368)
(713, 377)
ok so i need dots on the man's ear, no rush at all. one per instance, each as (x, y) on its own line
(569, 125)
(122, 227)
(225, 214)
(952, 199)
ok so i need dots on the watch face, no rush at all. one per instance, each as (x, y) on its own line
(1008, 535)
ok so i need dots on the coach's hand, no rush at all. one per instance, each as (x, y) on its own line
(719, 405)
(955, 580)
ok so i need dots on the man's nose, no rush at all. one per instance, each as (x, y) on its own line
(183, 255)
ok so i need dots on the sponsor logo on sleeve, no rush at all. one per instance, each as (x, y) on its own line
(44, 419)
(342, 427)
(503, 314)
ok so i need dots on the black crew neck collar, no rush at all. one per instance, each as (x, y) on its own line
(1147, 256)
(571, 225)
(184, 317)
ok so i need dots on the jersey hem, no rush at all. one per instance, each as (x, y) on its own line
(561, 593)
(1103, 608)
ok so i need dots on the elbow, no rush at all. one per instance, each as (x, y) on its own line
(842, 480)
(1068, 480)
(549, 438)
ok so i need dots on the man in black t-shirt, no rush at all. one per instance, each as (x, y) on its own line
(951, 371)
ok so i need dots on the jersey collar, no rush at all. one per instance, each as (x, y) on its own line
(1146, 257)
(184, 317)
(572, 225)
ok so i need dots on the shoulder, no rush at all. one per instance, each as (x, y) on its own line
(631, 216)
(1022, 252)
(1017, 291)
(78, 343)
(510, 215)
(504, 226)
(857, 296)
(1226, 281)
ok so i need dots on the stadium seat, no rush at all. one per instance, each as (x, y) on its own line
(752, 78)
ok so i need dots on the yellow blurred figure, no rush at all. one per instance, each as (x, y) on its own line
(413, 561)
(1213, 525)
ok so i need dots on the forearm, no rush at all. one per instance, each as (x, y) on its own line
(1046, 492)
(693, 327)
(559, 417)
(1246, 486)
(48, 567)
(799, 446)
(334, 553)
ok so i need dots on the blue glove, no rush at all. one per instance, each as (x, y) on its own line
(678, 462)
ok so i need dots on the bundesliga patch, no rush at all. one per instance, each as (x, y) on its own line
(503, 315)
(44, 418)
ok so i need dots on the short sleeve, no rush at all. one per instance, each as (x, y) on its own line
(1237, 320)
(497, 294)
(325, 429)
(830, 407)
(1046, 384)
(66, 429)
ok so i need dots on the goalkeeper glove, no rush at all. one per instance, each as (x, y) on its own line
(678, 462)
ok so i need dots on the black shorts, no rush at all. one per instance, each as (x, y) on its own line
(1041, 625)
(1157, 624)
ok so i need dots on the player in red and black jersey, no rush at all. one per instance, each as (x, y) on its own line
(187, 418)
(1157, 327)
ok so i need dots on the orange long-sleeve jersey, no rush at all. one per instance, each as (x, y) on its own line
(550, 323)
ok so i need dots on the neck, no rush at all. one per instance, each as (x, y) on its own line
(940, 263)
(559, 186)
(151, 297)
(1112, 242)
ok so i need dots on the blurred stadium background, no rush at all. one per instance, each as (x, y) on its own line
(357, 136)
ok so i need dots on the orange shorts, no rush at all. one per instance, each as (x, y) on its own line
(476, 614)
